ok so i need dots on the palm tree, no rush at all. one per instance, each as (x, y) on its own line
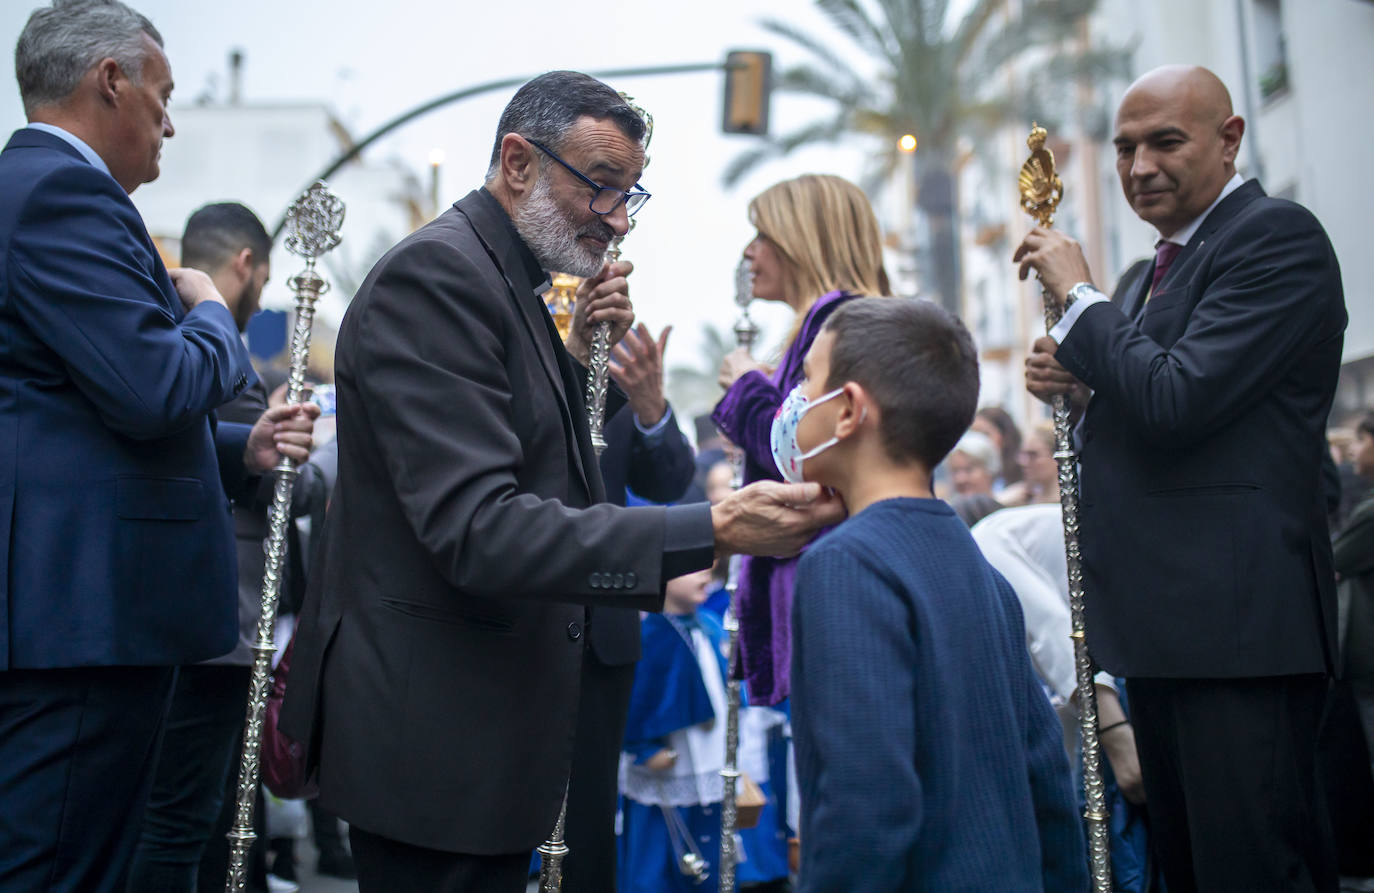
(935, 80)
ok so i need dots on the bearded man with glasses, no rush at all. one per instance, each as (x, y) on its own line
(440, 658)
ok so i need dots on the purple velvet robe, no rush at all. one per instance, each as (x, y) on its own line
(745, 416)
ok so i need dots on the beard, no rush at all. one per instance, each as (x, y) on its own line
(246, 307)
(553, 235)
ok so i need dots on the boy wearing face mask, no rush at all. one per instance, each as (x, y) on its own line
(927, 753)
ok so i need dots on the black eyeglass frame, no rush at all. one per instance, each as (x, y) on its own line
(624, 197)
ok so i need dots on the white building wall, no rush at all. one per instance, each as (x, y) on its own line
(1310, 142)
(1331, 57)
(263, 156)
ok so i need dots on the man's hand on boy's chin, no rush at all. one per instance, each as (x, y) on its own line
(769, 518)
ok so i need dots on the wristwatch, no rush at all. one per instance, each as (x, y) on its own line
(1080, 290)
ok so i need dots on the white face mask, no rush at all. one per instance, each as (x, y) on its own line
(787, 453)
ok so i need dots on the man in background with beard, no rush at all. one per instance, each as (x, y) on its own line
(440, 654)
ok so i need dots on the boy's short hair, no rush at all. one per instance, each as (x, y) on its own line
(918, 363)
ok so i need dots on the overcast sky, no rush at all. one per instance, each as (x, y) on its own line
(370, 61)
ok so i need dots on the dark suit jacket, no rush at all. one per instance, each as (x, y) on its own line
(443, 649)
(658, 468)
(118, 544)
(1204, 539)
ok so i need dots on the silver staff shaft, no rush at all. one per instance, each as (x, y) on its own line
(729, 813)
(552, 851)
(746, 332)
(314, 218)
(597, 382)
(598, 374)
(1096, 815)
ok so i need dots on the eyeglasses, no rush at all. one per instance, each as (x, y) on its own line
(604, 199)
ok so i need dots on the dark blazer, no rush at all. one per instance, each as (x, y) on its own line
(1204, 538)
(658, 468)
(118, 544)
(437, 665)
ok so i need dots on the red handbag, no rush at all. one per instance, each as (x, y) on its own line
(283, 758)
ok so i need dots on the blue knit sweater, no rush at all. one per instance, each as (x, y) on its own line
(928, 755)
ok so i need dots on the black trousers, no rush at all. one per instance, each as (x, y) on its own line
(77, 752)
(389, 866)
(590, 864)
(1231, 787)
(203, 728)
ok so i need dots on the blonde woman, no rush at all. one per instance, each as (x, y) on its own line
(818, 245)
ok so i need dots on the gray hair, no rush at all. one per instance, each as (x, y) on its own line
(61, 42)
(546, 108)
(979, 447)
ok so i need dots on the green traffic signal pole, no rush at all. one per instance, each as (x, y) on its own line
(488, 87)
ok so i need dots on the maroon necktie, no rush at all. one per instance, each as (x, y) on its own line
(1165, 253)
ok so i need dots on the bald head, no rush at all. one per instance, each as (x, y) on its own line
(1193, 87)
(1176, 139)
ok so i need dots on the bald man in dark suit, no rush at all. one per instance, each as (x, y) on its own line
(1207, 561)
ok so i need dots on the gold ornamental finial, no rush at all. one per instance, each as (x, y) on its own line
(561, 298)
(1041, 188)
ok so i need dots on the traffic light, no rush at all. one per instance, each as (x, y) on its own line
(748, 89)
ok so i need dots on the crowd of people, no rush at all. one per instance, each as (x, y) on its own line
(498, 623)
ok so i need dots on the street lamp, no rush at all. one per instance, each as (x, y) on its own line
(436, 161)
(907, 143)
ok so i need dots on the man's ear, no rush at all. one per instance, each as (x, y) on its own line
(110, 80)
(519, 166)
(243, 264)
(1232, 129)
(855, 407)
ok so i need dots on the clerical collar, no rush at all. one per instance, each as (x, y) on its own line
(1183, 236)
(533, 271)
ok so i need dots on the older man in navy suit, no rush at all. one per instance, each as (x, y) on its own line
(119, 559)
(1205, 549)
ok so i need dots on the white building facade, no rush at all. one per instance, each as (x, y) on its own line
(1301, 73)
(264, 156)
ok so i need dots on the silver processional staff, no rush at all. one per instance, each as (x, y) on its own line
(746, 333)
(552, 851)
(313, 222)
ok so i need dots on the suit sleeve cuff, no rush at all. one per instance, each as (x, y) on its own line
(1061, 329)
(689, 539)
(656, 428)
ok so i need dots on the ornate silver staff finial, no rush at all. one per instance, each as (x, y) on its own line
(746, 330)
(313, 220)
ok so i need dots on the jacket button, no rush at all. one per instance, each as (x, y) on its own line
(574, 631)
(594, 581)
(631, 580)
(619, 582)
